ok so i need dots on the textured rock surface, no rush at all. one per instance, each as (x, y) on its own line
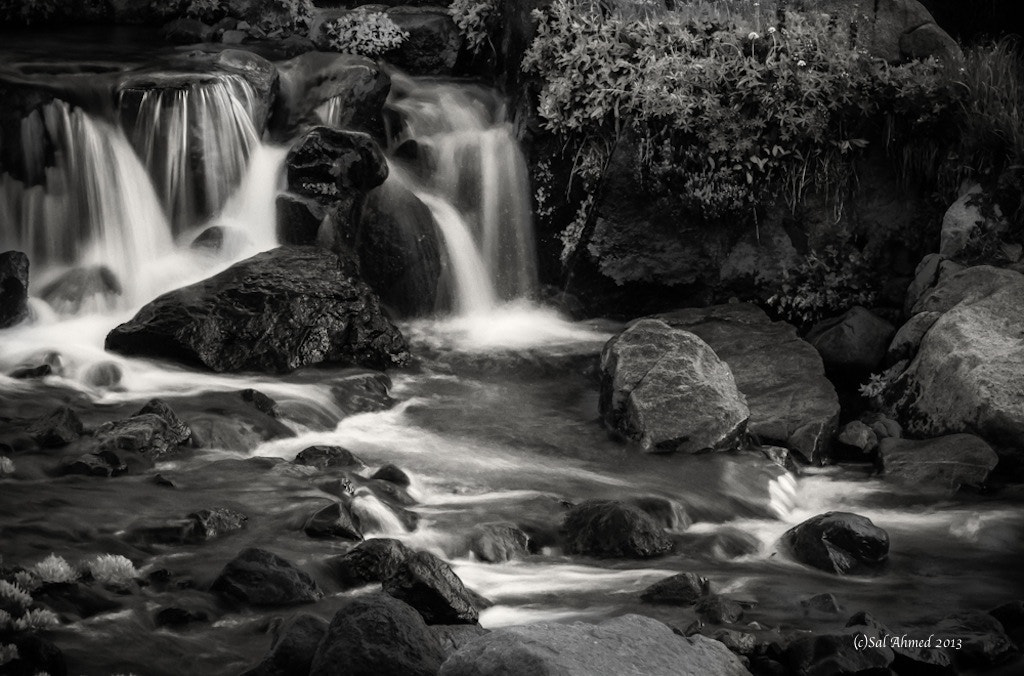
(855, 342)
(13, 288)
(838, 542)
(257, 577)
(429, 585)
(942, 464)
(631, 644)
(274, 312)
(613, 529)
(667, 389)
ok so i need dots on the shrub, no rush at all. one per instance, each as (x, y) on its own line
(276, 17)
(8, 652)
(826, 284)
(208, 11)
(27, 12)
(364, 33)
(474, 19)
(37, 618)
(113, 570)
(13, 598)
(54, 569)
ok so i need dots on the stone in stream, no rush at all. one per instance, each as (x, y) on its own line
(373, 560)
(361, 391)
(333, 520)
(839, 542)
(667, 389)
(91, 287)
(100, 464)
(393, 474)
(821, 603)
(245, 318)
(105, 374)
(609, 528)
(214, 522)
(13, 288)
(257, 577)
(154, 431)
(58, 428)
(429, 585)
(31, 372)
(1011, 616)
(835, 654)
(236, 421)
(983, 642)
(631, 644)
(261, 402)
(718, 609)
(907, 659)
(176, 617)
(327, 164)
(329, 457)
(498, 542)
(792, 404)
(377, 635)
(298, 219)
(75, 599)
(682, 589)
(212, 239)
(294, 648)
(944, 464)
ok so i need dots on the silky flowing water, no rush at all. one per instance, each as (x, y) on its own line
(497, 422)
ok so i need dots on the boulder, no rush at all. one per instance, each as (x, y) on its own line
(433, 43)
(631, 644)
(838, 542)
(718, 609)
(246, 317)
(214, 522)
(329, 457)
(257, 577)
(821, 603)
(968, 372)
(154, 431)
(392, 474)
(373, 560)
(908, 339)
(932, 270)
(333, 520)
(211, 239)
(835, 654)
(429, 585)
(328, 163)
(967, 217)
(101, 464)
(983, 644)
(858, 436)
(683, 589)
(13, 288)
(58, 428)
(377, 636)
(855, 342)
(944, 464)
(293, 650)
(298, 219)
(958, 284)
(929, 40)
(792, 404)
(104, 374)
(667, 389)
(259, 401)
(609, 528)
(92, 287)
(498, 542)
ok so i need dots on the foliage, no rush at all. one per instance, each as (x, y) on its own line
(13, 597)
(281, 16)
(112, 570)
(825, 284)
(474, 18)
(6, 465)
(36, 618)
(208, 11)
(53, 570)
(8, 652)
(878, 383)
(364, 33)
(27, 12)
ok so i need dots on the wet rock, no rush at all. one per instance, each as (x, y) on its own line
(245, 317)
(613, 529)
(57, 428)
(179, 433)
(984, 643)
(433, 43)
(835, 654)
(257, 577)
(453, 637)
(176, 617)
(944, 464)
(293, 650)
(498, 542)
(298, 219)
(624, 645)
(683, 589)
(260, 402)
(362, 392)
(854, 343)
(215, 522)
(212, 239)
(822, 603)
(101, 464)
(105, 375)
(328, 163)
(838, 542)
(719, 609)
(738, 642)
(13, 288)
(792, 404)
(669, 514)
(377, 636)
(667, 389)
(36, 655)
(233, 421)
(429, 585)
(186, 32)
(154, 431)
(1011, 616)
(373, 560)
(31, 372)
(392, 474)
(334, 520)
(89, 287)
(967, 373)
(907, 340)
(858, 440)
(74, 599)
(329, 457)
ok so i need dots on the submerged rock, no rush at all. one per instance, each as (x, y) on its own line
(613, 529)
(498, 542)
(838, 542)
(943, 464)
(377, 635)
(293, 650)
(57, 428)
(835, 653)
(631, 644)
(667, 389)
(429, 585)
(334, 520)
(257, 577)
(373, 560)
(275, 312)
(92, 287)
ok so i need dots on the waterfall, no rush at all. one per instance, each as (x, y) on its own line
(95, 206)
(471, 174)
(195, 139)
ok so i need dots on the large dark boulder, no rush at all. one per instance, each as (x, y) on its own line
(682, 589)
(328, 163)
(667, 389)
(13, 288)
(298, 219)
(373, 560)
(429, 585)
(631, 644)
(154, 431)
(838, 542)
(293, 649)
(854, 343)
(275, 312)
(333, 520)
(498, 542)
(377, 636)
(257, 577)
(432, 47)
(792, 404)
(613, 529)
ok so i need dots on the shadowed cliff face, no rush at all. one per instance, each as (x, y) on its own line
(970, 22)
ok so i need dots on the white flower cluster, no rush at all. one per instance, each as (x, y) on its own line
(364, 33)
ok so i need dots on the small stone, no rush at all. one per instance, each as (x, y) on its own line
(393, 474)
(822, 603)
(329, 457)
(334, 520)
(683, 589)
(720, 609)
(58, 428)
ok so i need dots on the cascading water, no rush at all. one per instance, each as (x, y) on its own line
(195, 139)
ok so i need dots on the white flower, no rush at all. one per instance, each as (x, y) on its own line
(753, 36)
(801, 63)
(771, 30)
